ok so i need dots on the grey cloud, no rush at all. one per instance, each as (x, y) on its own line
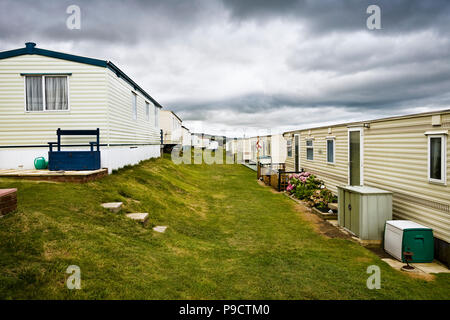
(257, 64)
(349, 15)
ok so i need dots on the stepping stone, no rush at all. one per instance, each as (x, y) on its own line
(112, 206)
(160, 229)
(140, 217)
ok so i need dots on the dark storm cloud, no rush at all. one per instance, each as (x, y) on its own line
(349, 15)
(102, 20)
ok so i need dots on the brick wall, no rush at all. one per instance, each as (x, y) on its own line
(8, 200)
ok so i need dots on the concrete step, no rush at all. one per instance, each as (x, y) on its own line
(112, 206)
(140, 216)
(160, 229)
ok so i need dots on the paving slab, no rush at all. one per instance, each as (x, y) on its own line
(139, 216)
(160, 229)
(432, 267)
(112, 206)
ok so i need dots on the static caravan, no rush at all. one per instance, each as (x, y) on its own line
(186, 137)
(43, 90)
(271, 148)
(196, 140)
(171, 129)
(200, 140)
(244, 146)
(407, 155)
(278, 148)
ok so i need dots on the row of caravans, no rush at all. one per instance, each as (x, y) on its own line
(407, 155)
(207, 141)
(267, 149)
(173, 132)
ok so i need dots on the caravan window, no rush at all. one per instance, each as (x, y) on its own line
(134, 106)
(46, 93)
(309, 150)
(147, 111)
(330, 150)
(437, 158)
(289, 147)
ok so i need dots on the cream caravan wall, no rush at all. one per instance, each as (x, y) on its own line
(332, 174)
(97, 99)
(87, 102)
(171, 127)
(186, 137)
(124, 129)
(278, 148)
(396, 159)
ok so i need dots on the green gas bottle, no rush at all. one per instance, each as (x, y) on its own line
(40, 163)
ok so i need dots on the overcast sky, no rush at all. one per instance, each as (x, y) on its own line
(234, 66)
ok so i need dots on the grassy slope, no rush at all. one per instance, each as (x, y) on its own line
(228, 238)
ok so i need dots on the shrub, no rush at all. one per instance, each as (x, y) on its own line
(305, 186)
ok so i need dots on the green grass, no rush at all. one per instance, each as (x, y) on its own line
(227, 238)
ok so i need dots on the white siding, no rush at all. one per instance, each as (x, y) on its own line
(123, 128)
(395, 159)
(87, 102)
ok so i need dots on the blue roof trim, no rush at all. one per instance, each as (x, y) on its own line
(31, 49)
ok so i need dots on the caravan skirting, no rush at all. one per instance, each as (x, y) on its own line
(112, 157)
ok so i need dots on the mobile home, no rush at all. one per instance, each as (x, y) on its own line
(407, 155)
(200, 140)
(43, 90)
(186, 137)
(171, 129)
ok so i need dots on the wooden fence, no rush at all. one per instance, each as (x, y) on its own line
(274, 175)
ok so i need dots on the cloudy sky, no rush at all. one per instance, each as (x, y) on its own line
(239, 66)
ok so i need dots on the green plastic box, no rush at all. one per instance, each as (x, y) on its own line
(402, 236)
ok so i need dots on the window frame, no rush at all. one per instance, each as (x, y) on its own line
(309, 147)
(289, 147)
(134, 108)
(334, 149)
(147, 111)
(443, 137)
(44, 100)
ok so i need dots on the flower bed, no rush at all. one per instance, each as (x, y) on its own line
(305, 186)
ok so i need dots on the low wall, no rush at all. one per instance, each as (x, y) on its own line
(8, 201)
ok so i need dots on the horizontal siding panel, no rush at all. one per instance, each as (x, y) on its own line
(87, 102)
(123, 129)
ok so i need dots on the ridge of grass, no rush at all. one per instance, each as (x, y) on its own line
(227, 238)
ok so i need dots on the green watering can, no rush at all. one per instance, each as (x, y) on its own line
(40, 163)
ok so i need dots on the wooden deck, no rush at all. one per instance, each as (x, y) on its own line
(59, 176)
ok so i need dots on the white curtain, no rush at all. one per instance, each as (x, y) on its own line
(56, 93)
(34, 93)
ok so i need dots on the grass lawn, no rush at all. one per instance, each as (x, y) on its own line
(227, 238)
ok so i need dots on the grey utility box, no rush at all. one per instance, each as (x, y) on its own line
(364, 210)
